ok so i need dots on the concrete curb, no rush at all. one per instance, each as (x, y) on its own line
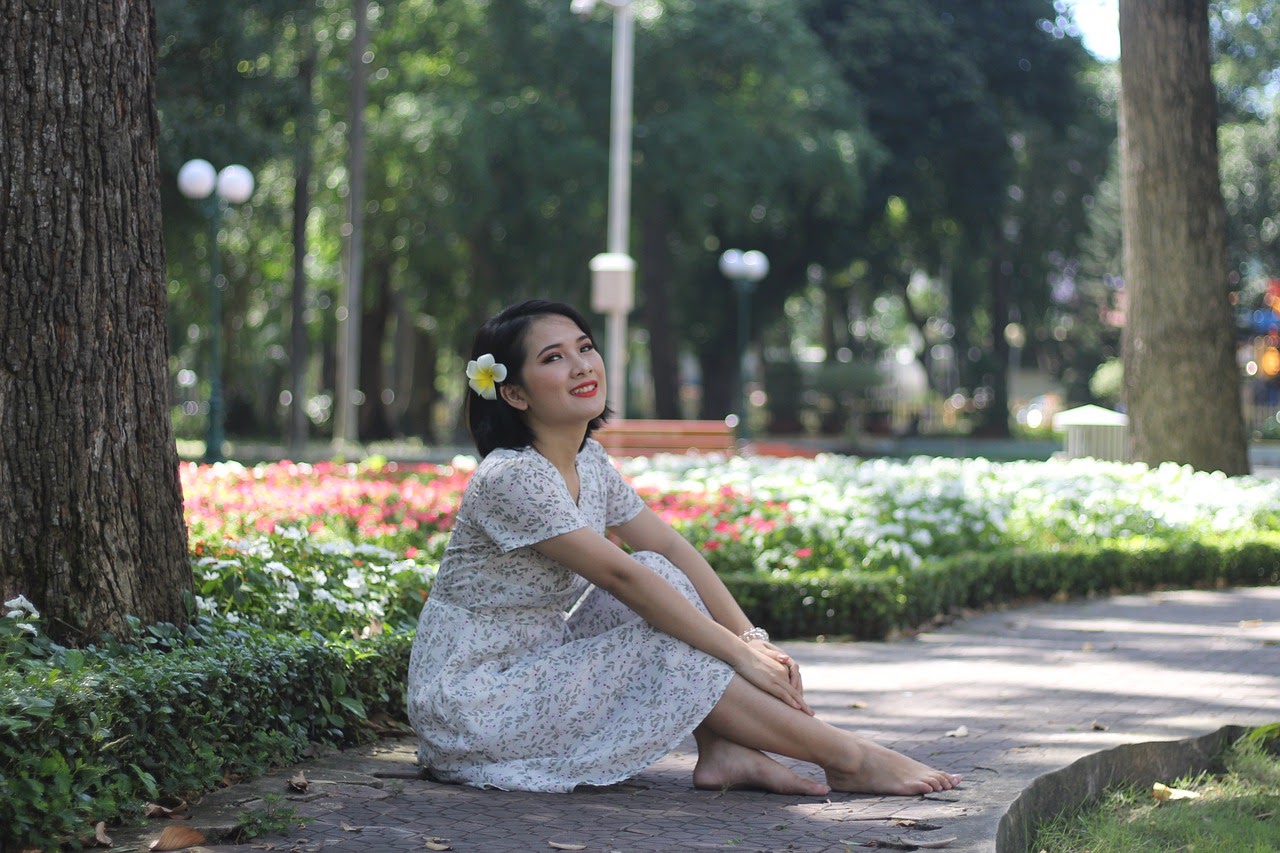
(1085, 780)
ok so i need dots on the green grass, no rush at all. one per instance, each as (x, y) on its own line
(1238, 811)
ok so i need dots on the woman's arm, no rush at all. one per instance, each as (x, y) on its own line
(658, 603)
(648, 532)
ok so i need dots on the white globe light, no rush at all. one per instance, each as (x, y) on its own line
(755, 265)
(235, 184)
(196, 179)
(731, 263)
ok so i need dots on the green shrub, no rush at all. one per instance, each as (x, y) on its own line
(871, 605)
(88, 735)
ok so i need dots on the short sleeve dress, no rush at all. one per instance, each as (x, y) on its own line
(523, 676)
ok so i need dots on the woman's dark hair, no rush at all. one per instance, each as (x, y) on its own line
(494, 423)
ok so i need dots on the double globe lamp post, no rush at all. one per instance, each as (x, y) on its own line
(198, 181)
(744, 269)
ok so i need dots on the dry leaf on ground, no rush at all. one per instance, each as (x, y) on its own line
(100, 834)
(437, 844)
(566, 845)
(173, 812)
(346, 827)
(298, 782)
(961, 731)
(177, 838)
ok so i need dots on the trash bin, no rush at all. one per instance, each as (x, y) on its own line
(1094, 431)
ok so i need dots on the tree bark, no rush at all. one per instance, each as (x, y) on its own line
(91, 525)
(1181, 384)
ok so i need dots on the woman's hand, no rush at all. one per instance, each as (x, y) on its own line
(774, 672)
(783, 658)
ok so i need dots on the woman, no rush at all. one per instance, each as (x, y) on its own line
(547, 657)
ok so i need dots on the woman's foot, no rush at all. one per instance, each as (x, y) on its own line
(723, 764)
(883, 771)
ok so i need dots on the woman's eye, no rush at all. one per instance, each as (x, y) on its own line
(587, 347)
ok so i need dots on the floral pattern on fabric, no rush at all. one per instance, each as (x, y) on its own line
(508, 691)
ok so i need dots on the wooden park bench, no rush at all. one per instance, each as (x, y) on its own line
(647, 437)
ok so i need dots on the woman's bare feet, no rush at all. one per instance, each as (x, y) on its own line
(724, 764)
(883, 771)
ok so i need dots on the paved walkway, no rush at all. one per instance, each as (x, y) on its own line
(1003, 698)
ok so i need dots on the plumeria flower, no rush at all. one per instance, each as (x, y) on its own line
(484, 374)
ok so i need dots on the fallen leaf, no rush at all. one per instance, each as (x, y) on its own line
(857, 704)
(298, 781)
(437, 844)
(100, 834)
(1099, 727)
(565, 845)
(1163, 792)
(229, 778)
(962, 731)
(177, 838)
(931, 844)
(346, 827)
(1087, 647)
(1250, 623)
(173, 812)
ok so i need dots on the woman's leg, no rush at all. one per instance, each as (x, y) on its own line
(751, 718)
(725, 764)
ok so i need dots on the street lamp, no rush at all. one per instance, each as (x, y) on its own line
(197, 180)
(744, 269)
(613, 272)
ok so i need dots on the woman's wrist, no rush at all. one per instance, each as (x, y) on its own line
(754, 633)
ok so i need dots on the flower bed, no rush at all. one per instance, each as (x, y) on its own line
(349, 550)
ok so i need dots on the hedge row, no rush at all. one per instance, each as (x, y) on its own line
(91, 735)
(872, 605)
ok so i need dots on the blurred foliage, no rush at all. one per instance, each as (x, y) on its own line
(956, 159)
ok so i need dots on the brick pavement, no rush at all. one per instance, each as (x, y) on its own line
(1002, 697)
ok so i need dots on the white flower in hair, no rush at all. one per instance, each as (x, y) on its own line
(484, 374)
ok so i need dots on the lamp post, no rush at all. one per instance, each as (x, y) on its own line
(744, 269)
(198, 181)
(613, 272)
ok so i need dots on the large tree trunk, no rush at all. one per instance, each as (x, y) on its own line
(1181, 384)
(91, 526)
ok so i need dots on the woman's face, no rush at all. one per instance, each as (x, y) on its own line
(562, 379)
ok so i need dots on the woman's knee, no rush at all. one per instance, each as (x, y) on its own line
(670, 572)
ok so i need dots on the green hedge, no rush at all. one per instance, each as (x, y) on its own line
(871, 605)
(90, 735)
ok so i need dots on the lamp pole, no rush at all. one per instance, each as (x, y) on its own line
(198, 181)
(613, 272)
(744, 270)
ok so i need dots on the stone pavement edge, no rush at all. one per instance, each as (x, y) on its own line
(1050, 692)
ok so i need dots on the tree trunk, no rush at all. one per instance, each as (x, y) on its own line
(663, 348)
(91, 526)
(420, 420)
(375, 420)
(1181, 384)
(720, 368)
(298, 297)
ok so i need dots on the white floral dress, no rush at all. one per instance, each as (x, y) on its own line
(507, 688)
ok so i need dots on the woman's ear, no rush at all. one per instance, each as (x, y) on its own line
(514, 397)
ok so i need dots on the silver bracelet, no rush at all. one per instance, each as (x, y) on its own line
(754, 634)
